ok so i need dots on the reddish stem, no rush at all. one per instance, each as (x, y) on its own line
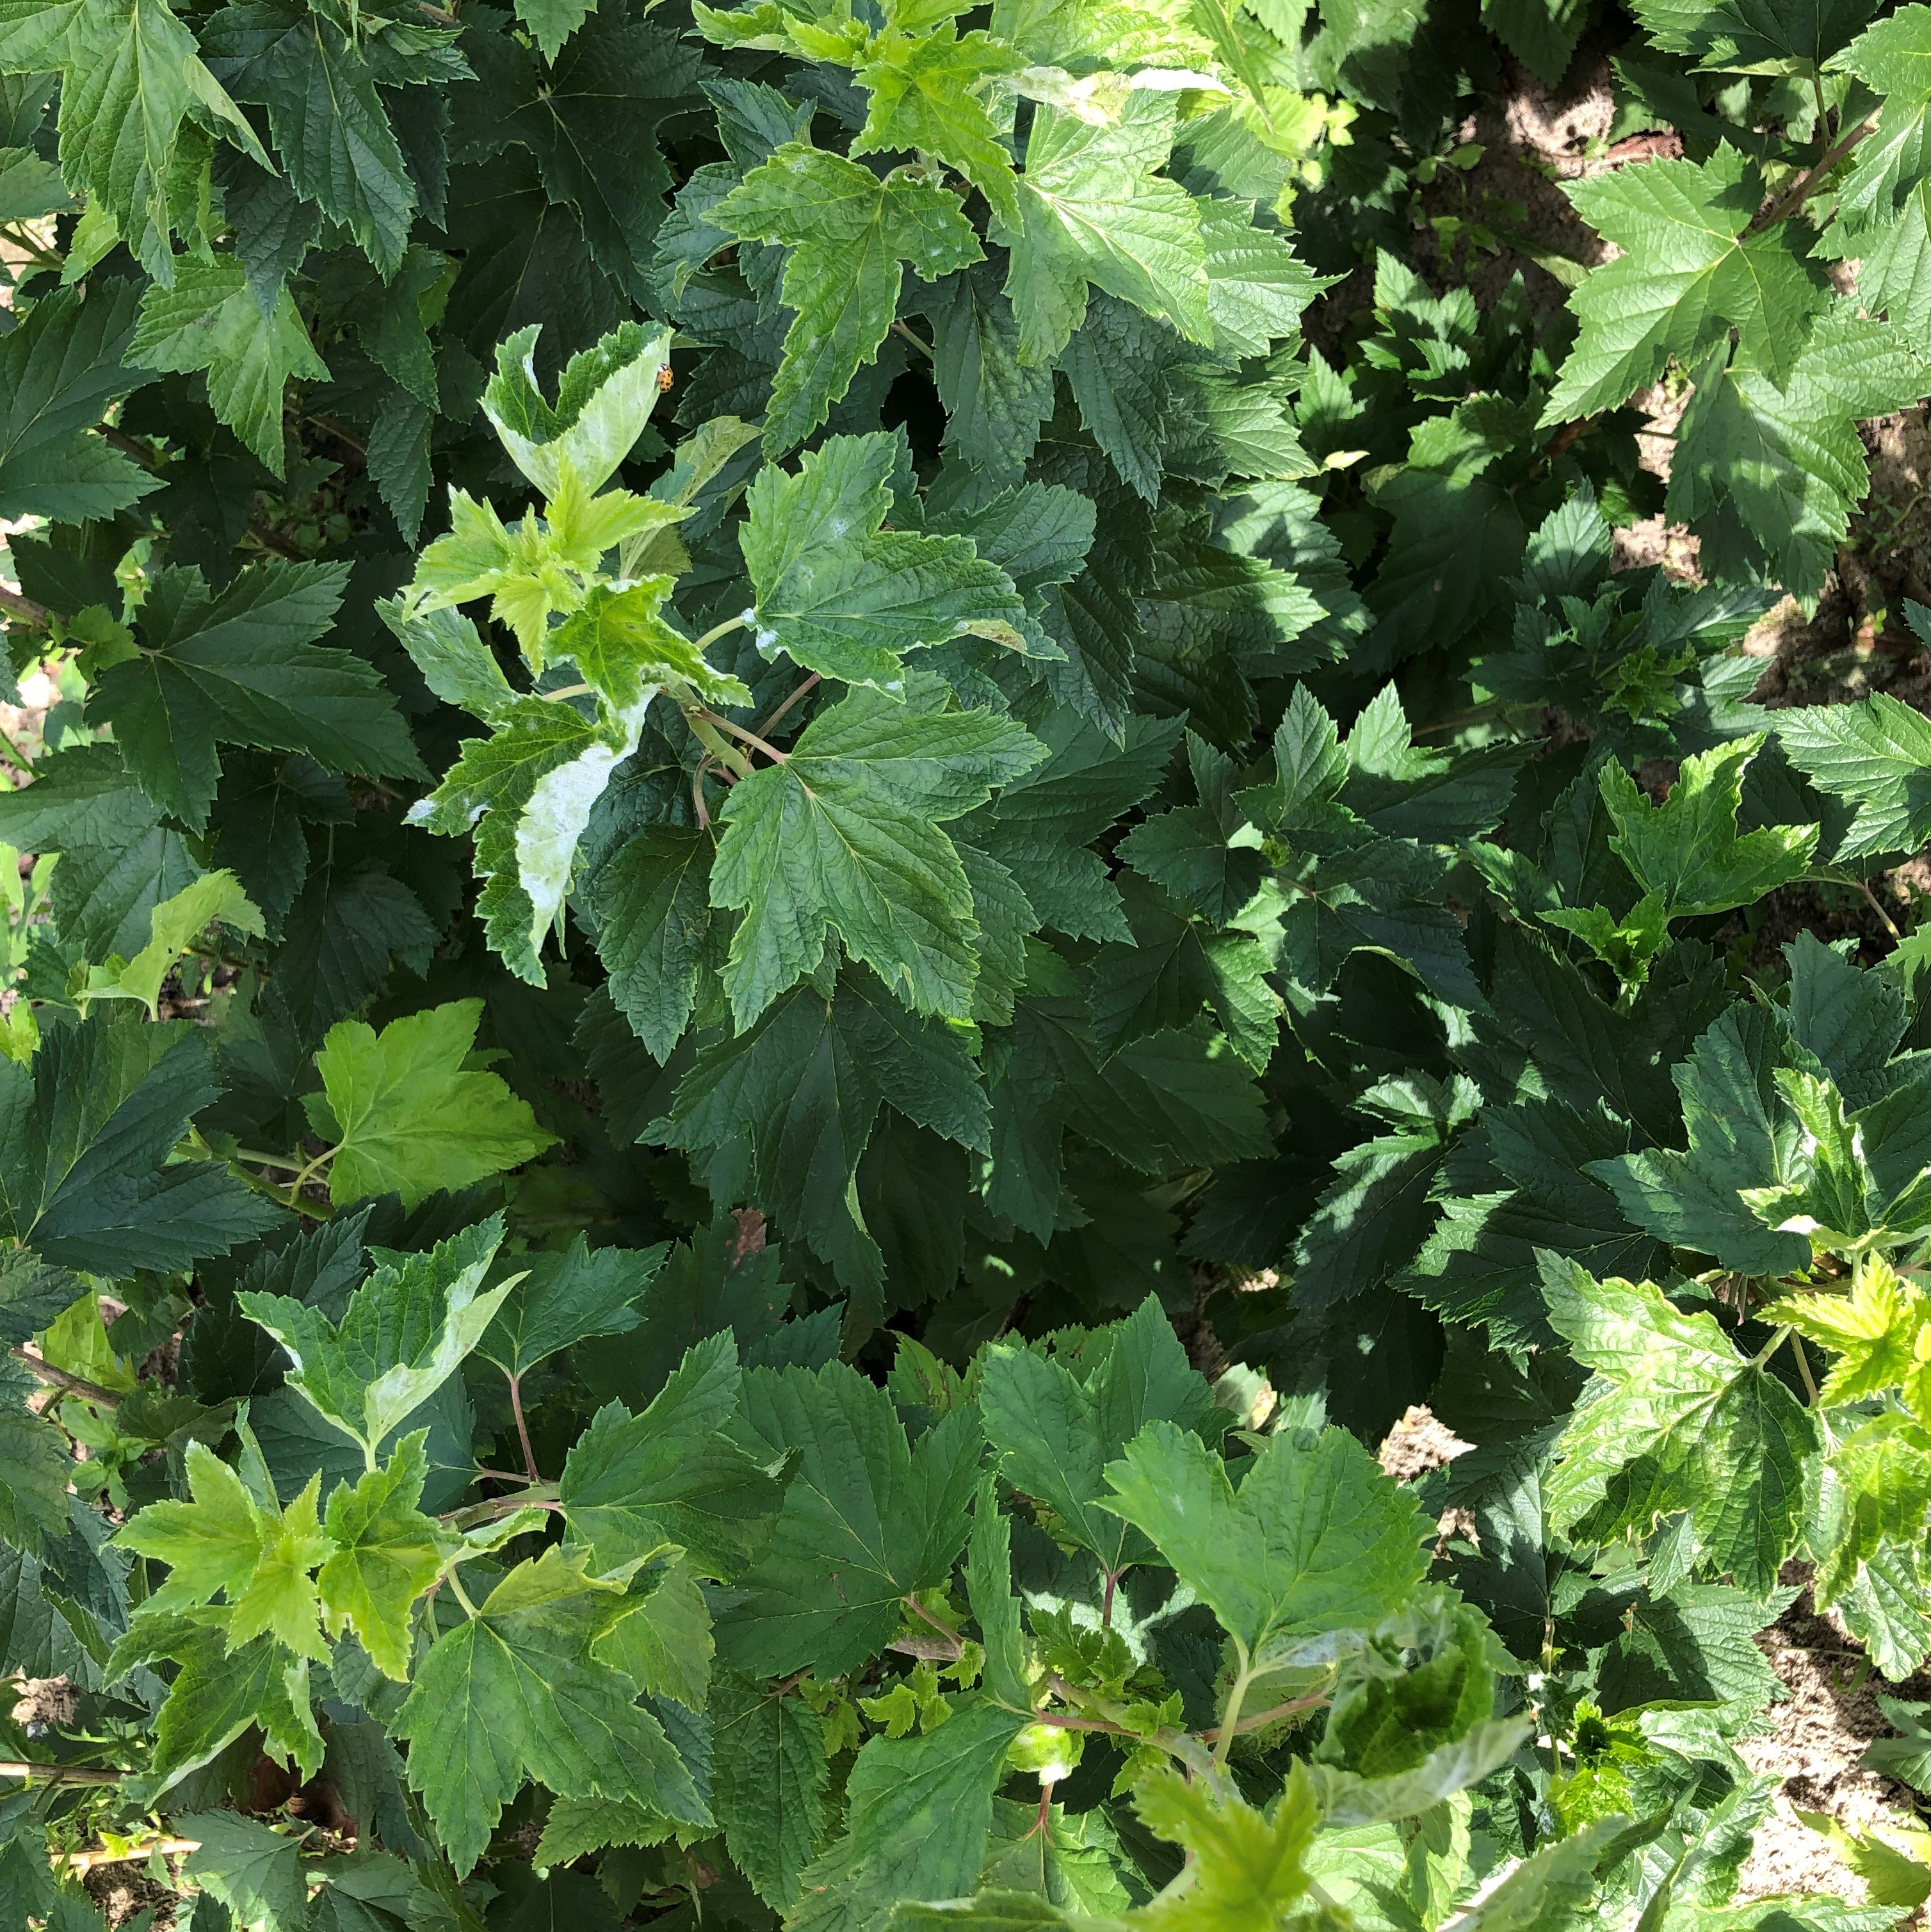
(523, 1428)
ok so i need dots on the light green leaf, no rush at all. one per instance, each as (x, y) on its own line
(384, 1553)
(1674, 1419)
(927, 94)
(1686, 856)
(604, 400)
(404, 1334)
(624, 645)
(551, 22)
(408, 1116)
(211, 1543)
(176, 924)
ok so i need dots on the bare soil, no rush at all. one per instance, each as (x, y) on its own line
(1814, 1743)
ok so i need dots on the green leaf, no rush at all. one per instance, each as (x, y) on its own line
(404, 1333)
(208, 319)
(239, 666)
(650, 902)
(515, 1693)
(919, 1815)
(60, 366)
(131, 75)
(769, 1776)
(407, 1115)
(927, 94)
(840, 596)
(1782, 453)
(216, 1695)
(846, 232)
(844, 837)
(665, 1642)
(1775, 39)
(332, 130)
(562, 1299)
(1739, 1136)
(384, 1553)
(1316, 1540)
(1094, 211)
(1686, 856)
(803, 1087)
(592, 123)
(885, 1516)
(994, 403)
(85, 1139)
(636, 1484)
(1256, 286)
(1875, 755)
(1675, 1419)
(1693, 269)
(36, 1465)
(577, 1826)
(1371, 1217)
(551, 22)
(1055, 1431)
(255, 1872)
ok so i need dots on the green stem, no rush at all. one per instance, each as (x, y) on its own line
(1230, 1720)
(924, 347)
(291, 1163)
(718, 631)
(302, 1179)
(714, 741)
(567, 691)
(1803, 1370)
(1890, 924)
(462, 1595)
(1770, 1348)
